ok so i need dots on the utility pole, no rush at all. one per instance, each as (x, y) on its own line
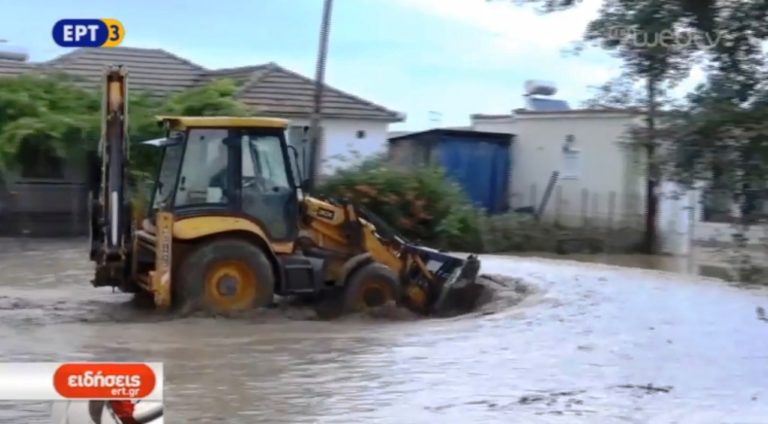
(316, 136)
(652, 177)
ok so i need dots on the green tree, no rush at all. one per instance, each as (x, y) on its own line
(143, 126)
(726, 35)
(217, 98)
(57, 116)
(641, 34)
(214, 98)
(720, 135)
(48, 112)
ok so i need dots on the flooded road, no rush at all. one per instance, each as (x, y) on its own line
(588, 343)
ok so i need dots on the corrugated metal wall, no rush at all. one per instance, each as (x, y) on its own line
(481, 167)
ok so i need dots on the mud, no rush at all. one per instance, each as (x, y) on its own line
(552, 341)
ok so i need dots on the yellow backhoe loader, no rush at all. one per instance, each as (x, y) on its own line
(229, 225)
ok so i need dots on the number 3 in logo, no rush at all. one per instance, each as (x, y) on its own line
(115, 32)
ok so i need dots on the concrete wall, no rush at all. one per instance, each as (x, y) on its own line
(719, 233)
(341, 139)
(682, 227)
(607, 188)
(45, 206)
(716, 233)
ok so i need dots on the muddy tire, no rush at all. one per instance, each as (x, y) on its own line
(224, 276)
(371, 286)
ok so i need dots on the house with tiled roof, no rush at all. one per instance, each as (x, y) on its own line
(350, 123)
(269, 89)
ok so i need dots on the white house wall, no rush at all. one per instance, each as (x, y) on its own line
(342, 147)
(608, 175)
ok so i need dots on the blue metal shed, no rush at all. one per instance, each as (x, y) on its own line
(479, 161)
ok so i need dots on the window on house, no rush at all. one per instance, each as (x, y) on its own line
(360, 133)
(571, 168)
(39, 162)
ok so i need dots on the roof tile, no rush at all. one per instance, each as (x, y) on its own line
(268, 88)
(15, 67)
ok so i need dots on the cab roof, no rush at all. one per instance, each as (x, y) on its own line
(183, 122)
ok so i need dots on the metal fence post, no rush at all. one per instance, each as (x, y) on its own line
(595, 215)
(611, 209)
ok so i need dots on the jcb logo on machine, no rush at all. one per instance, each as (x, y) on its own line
(325, 213)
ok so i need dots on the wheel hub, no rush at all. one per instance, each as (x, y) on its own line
(227, 286)
(374, 297)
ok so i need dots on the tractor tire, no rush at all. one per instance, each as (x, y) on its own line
(226, 275)
(371, 286)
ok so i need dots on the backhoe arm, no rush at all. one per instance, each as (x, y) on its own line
(110, 208)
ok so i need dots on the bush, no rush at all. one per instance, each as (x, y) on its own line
(516, 232)
(426, 206)
(422, 204)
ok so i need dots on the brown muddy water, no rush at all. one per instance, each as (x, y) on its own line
(575, 342)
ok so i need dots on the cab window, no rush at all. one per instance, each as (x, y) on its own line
(264, 156)
(203, 178)
(169, 171)
(267, 193)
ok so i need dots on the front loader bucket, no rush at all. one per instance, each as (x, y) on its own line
(454, 289)
(461, 293)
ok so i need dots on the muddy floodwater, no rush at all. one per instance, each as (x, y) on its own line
(574, 342)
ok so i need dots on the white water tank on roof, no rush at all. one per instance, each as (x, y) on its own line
(540, 88)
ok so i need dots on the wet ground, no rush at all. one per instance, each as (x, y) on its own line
(574, 342)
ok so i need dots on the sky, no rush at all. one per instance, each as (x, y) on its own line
(436, 61)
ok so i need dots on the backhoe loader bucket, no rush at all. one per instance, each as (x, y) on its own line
(461, 293)
(446, 285)
(454, 289)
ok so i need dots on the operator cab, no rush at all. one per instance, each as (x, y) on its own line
(228, 167)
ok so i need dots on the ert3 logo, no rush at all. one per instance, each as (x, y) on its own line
(88, 33)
